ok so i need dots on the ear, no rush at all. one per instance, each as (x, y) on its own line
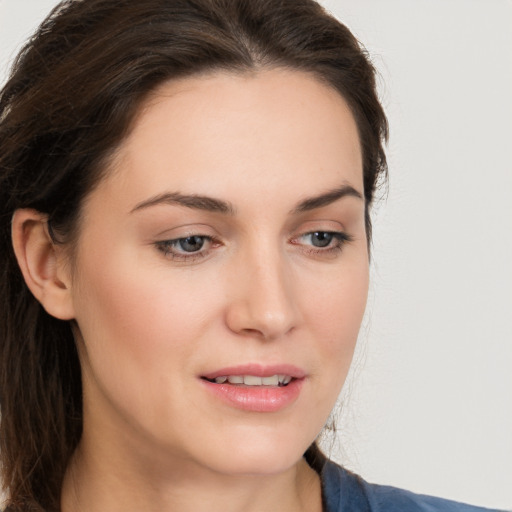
(43, 263)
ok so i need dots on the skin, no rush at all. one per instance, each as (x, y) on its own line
(152, 321)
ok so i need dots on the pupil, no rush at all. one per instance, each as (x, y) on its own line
(192, 243)
(321, 239)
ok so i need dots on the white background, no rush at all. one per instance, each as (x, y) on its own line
(430, 405)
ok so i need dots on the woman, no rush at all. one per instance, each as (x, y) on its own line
(187, 187)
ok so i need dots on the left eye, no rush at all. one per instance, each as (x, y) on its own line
(320, 238)
(323, 239)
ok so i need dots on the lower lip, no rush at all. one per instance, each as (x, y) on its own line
(256, 398)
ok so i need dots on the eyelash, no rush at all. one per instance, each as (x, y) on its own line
(338, 237)
(168, 247)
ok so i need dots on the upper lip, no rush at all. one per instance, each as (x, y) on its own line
(258, 370)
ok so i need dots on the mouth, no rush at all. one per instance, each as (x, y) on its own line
(256, 388)
(277, 380)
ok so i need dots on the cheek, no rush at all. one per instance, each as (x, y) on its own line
(336, 306)
(334, 312)
(133, 317)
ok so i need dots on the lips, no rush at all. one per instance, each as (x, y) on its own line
(255, 387)
(257, 370)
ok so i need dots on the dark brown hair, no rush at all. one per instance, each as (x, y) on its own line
(72, 95)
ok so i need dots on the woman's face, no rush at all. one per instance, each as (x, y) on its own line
(227, 242)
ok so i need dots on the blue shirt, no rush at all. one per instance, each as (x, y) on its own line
(345, 492)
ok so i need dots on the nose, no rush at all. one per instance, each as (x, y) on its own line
(263, 303)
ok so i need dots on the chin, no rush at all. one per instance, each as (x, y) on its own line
(264, 464)
(256, 454)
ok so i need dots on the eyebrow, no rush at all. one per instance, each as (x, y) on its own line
(194, 201)
(327, 198)
(211, 204)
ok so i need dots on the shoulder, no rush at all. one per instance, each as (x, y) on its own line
(347, 492)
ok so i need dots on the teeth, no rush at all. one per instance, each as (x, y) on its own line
(252, 380)
(270, 381)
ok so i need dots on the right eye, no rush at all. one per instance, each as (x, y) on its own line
(186, 248)
(190, 243)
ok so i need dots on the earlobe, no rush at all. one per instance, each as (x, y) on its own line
(42, 263)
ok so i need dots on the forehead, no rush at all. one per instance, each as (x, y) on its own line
(276, 129)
